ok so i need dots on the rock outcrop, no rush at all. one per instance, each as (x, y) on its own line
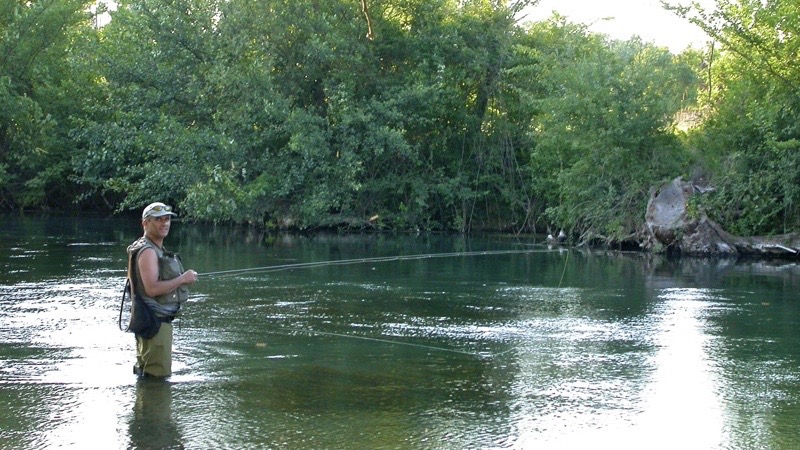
(670, 226)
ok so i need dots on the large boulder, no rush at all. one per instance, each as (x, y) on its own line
(670, 226)
(666, 215)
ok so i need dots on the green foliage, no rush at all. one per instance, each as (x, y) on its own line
(604, 132)
(750, 143)
(36, 39)
(447, 115)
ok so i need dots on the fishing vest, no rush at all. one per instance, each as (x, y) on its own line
(169, 266)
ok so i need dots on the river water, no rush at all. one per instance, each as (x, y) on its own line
(511, 345)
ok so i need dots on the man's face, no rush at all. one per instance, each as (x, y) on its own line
(157, 226)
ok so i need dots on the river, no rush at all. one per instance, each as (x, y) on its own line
(488, 341)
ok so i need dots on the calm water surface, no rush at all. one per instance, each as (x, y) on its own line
(551, 348)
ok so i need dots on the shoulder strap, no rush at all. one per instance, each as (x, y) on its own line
(130, 287)
(130, 281)
(133, 253)
(125, 292)
(131, 272)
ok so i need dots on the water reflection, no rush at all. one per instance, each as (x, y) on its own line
(682, 402)
(152, 423)
(626, 385)
(598, 350)
(78, 417)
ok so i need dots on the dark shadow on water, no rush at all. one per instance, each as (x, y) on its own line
(152, 424)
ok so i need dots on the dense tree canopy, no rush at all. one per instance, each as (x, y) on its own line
(401, 114)
(751, 140)
(36, 38)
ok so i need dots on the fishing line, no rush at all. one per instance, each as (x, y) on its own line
(566, 260)
(310, 265)
(385, 341)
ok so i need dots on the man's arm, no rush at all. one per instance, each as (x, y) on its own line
(148, 271)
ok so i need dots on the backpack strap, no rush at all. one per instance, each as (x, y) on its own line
(130, 285)
(125, 293)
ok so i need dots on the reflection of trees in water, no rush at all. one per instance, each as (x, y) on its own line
(743, 273)
(152, 424)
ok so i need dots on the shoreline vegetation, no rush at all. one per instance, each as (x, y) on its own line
(412, 116)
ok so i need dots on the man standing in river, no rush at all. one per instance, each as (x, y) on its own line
(157, 276)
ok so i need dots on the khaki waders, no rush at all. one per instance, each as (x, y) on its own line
(154, 356)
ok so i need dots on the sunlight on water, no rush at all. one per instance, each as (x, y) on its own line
(66, 319)
(83, 417)
(681, 402)
(446, 354)
(677, 404)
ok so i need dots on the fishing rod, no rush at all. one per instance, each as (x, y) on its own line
(310, 265)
